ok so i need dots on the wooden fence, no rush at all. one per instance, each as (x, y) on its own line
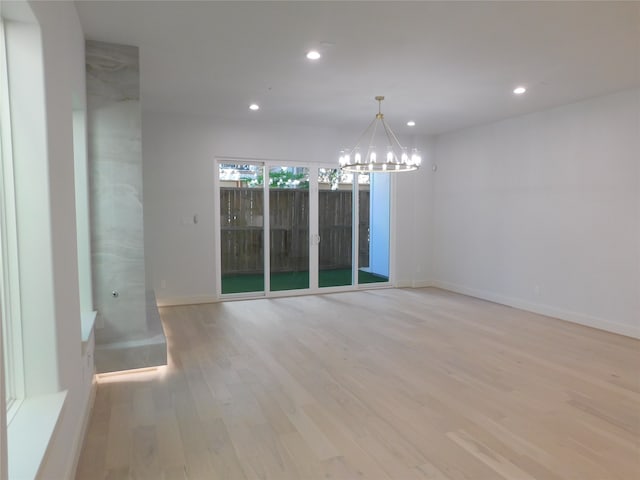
(241, 223)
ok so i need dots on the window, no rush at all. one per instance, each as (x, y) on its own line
(9, 280)
(30, 317)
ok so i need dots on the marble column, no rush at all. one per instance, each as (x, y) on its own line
(128, 329)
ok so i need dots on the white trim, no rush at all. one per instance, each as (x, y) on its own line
(314, 229)
(266, 228)
(3, 413)
(188, 300)
(355, 228)
(393, 233)
(78, 441)
(335, 289)
(547, 310)
(217, 235)
(374, 286)
(87, 323)
(31, 432)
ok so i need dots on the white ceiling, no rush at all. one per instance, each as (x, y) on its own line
(446, 65)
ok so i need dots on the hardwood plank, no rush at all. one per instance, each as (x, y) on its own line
(118, 452)
(170, 447)
(400, 384)
(145, 463)
(497, 462)
(174, 473)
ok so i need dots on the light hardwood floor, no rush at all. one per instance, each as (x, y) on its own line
(382, 384)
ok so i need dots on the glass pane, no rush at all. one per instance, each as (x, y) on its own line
(289, 225)
(242, 227)
(335, 209)
(6, 361)
(373, 245)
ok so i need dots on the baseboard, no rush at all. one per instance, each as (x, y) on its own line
(547, 310)
(79, 440)
(413, 283)
(189, 300)
(561, 314)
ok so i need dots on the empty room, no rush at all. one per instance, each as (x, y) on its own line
(300, 240)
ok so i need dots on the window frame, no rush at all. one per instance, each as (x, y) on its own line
(13, 360)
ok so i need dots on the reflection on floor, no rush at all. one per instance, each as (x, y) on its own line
(295, 280)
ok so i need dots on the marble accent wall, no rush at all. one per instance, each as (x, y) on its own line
(128, 330)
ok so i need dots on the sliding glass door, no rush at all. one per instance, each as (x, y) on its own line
(335, 229)
(373, 227)
(289, 228)
(336, 220)
(241, 227)
(295, 228)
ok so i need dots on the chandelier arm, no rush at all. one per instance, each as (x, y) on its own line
(391, 139)
(388, 130)
(362, 136)
(373, 135)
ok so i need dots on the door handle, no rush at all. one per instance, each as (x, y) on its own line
(315, 239)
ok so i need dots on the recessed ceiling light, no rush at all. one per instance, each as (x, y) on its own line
(519, 90)
(254, 107)
(411, 123)
(313, 55)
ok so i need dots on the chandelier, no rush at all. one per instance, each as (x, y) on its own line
(382, 153)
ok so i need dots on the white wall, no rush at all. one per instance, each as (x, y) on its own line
(414, 210)
(543, 212)
(63, 69)
(178, 169)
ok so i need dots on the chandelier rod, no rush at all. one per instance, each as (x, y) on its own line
(373, 135)
(391, 135)
(362, 136)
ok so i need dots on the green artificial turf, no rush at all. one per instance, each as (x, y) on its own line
(294, 280)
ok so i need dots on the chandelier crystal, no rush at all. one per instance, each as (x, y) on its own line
(382, 153)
